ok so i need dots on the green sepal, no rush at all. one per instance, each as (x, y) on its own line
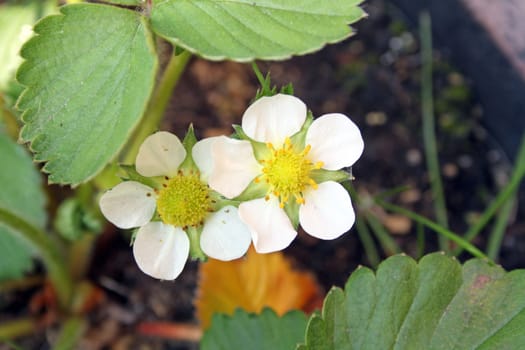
(189, 141)
(266, 88)
(128, 172)
(291, 208)
(72, 220)
(219, 201)
(299, 138)
(194, 234)
(253, 191)
(323, 175)
(260, 150)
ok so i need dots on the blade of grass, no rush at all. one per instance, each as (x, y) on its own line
(10, 330)
(362, 228)
(429, 136)
(70, 333)
(503, 196)
(420, 231)
(435, 227)
(498, 230)
(386, 241)
(368, 243)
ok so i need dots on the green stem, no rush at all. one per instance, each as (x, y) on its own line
(258, 74)
(506, 192)
(70, 333)
(502, 221)
(388, 244)
(40, 242)
(157, 105)
(366, 240)
(436, 227)
(17, 328)
(429, 136)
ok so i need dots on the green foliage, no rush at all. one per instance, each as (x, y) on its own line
(267, 89)
(72, 220)
(125, 2)
(433, 304)
(244, 30)
(21, 193)
(255, 332)
(89, 73)
(15, 28)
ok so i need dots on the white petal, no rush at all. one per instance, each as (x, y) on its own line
(161, 250)
(225, 236)
(202, 156)
(336, 141)
(270, 227)
(327, 212)
(272, 119)
(129, 204)
(160, 154)
(234, 166)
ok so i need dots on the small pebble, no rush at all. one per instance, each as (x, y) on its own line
(413, 157)
(450, 170)
(376, 118)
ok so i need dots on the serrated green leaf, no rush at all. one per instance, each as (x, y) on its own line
(21, 193)
(244, 30)
(255, 332)
(89, 73)
(434, 304)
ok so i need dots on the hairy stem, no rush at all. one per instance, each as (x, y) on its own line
(158, 103)
(48, 251)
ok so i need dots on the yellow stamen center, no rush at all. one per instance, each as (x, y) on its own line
(287, 172)
(183, 201)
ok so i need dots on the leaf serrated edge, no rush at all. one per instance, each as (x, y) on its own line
(351, 32)
(63, 13)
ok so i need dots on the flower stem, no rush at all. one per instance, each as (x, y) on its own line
(41, 242)
(157, 105)
(429, 136)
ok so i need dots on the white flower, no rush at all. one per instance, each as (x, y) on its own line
(182, 201)
(286, 156)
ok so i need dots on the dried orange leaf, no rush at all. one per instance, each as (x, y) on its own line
(253, 282)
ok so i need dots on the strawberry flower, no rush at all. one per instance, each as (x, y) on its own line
(286, 167)
(174, 208)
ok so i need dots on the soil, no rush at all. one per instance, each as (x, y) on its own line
(373, 77)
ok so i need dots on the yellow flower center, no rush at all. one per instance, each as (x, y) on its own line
(287, 172)
(183, 201)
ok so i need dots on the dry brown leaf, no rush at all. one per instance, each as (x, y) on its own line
(252, 283)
